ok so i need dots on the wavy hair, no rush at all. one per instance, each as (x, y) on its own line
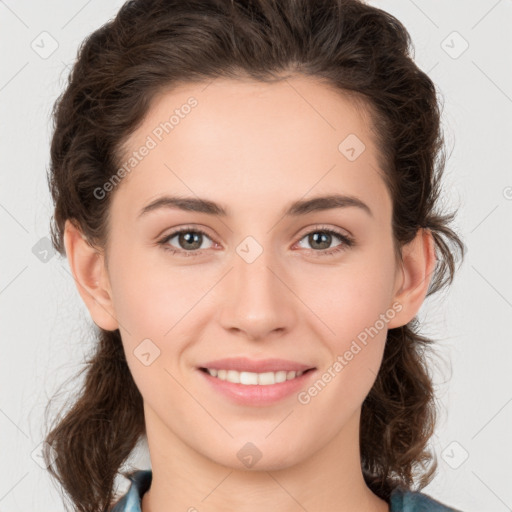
(151, 46)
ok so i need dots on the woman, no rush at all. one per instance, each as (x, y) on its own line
(247, 194)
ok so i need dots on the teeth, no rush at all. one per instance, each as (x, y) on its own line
(251, 378)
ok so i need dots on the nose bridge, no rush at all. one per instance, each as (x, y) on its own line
(258, 303)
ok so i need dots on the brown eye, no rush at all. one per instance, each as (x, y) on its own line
(188, 240)
(320, 241)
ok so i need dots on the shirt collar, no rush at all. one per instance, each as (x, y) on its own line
(132, 500)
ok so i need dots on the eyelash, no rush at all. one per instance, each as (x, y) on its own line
(347, 241)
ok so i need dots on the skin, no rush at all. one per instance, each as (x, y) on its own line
(254, 148)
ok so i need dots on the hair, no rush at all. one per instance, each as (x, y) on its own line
(152, 46)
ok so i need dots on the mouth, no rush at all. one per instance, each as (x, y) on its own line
(247, 378)
(251, 383)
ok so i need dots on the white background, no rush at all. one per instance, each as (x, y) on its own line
(46, 328)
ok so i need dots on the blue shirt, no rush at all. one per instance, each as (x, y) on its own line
(400, 501)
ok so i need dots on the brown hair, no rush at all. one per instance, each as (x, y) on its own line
(153, 45)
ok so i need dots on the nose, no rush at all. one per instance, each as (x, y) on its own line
(258, 301)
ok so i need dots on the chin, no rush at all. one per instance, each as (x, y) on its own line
(257, 455)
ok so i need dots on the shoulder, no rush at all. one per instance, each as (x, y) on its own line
(131, 501)
(403, 500)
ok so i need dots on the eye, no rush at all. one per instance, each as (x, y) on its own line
(320, 239)
(188, 239)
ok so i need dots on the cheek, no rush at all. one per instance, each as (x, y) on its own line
(354, 304)
(351, 299)
(150, 299)
(156, 308)
(355, 340)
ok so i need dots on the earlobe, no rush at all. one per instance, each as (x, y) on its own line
(418, 264)
(91, 279)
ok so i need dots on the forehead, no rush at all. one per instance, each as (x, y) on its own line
(242, 141)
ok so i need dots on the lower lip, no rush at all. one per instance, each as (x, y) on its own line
(254, 394)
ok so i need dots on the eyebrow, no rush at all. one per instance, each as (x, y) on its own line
(297, 208)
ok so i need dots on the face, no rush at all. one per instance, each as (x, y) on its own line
(313, 286)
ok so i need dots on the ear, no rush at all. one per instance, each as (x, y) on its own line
(91, 278)
(413, 278)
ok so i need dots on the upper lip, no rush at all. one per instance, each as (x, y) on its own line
(243, 364)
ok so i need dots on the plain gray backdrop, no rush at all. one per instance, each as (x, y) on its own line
(466, 48)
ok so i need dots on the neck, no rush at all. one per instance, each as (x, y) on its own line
(330, 478)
